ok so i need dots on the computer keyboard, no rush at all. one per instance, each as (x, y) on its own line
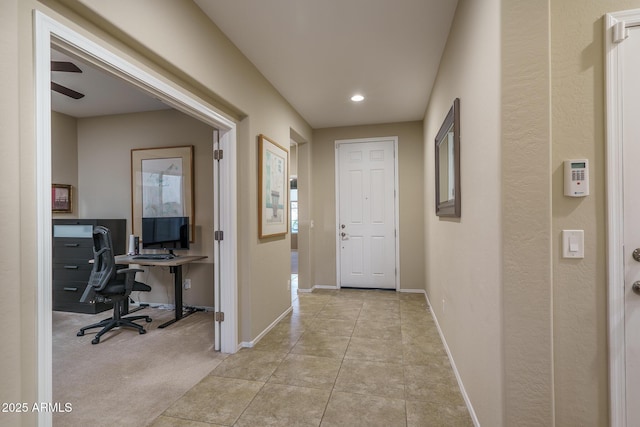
(153, 256)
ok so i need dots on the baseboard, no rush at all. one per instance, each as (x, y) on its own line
(325, 287)
(255, 341)
(414, 291)
(308, 291)
(463, 391)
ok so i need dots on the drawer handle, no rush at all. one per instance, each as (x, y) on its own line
(71, 289)
(71, 267)
(72, 245)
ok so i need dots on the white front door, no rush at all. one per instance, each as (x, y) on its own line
(631, 177)
(366, 232)
(623, 204)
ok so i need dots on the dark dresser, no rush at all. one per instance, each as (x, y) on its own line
(72, 251)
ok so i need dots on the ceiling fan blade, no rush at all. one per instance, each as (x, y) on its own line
(66, 91)
(65, 66)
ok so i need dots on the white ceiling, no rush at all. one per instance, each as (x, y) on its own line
(104, 93)
(316, 53)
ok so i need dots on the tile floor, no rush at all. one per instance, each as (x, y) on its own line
(341, 358)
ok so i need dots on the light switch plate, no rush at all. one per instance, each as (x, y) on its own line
(573, 243)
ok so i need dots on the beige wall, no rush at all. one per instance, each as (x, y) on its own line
(579, 292)
(64, 157)
(526, 214)
(463, 255)
(411, 186)
(17, 352)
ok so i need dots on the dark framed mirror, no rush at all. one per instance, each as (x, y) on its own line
(448, 197)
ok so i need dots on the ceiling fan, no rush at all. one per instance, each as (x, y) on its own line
(66, 67)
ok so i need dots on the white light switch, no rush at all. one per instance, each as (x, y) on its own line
(573, 243)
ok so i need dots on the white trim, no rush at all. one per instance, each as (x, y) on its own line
(463, 391)
(314, 287)
(396, 200)
(413, 291)
(44, 264)
(228, 247)
(615, 215)
(252, 343)
(46, 31)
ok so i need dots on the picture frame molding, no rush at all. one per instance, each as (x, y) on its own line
(452, 206)
(281, 227)
(138, 155)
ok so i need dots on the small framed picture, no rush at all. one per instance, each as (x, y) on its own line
(61, 198)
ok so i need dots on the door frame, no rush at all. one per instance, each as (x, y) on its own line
(396, 207)
(49, 32)
(615, 25)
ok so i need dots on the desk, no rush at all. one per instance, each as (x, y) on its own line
(175, 267)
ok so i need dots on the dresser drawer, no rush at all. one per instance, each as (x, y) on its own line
(72, 249)
(68, 291)
(72, 271)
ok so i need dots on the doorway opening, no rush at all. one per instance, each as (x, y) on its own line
(294, 217)
(50, 33)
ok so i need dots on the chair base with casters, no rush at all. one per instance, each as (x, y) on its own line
(114, 293)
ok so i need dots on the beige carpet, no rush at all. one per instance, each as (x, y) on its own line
(128, 379)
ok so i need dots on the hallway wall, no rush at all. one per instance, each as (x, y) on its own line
(463, 256)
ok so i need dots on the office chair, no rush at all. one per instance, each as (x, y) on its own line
(108, 283)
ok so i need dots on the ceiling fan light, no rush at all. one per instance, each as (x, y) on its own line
(357, 98)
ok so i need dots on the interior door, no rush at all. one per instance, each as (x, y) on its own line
(366, 214)
(217, 252)
(631, 178)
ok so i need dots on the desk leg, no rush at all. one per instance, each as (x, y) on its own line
(177, 286)
(177, 289)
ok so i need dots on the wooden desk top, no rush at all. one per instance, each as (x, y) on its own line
(173, 262)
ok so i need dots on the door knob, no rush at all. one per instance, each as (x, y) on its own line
(636, 254)
(636, 287)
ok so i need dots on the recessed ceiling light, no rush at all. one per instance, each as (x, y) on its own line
(357, 98)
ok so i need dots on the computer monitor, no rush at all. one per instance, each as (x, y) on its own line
(168, 233)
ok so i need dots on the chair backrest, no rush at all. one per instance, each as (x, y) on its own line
(104, 264)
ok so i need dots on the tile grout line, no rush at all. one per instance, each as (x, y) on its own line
(339, 370)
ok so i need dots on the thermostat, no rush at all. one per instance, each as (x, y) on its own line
(576, 178)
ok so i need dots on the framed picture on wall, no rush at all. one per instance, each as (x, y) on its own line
(273, 188)
(162, 185)
(61, 198)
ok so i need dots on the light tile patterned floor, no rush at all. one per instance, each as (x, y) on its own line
(341, 358)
